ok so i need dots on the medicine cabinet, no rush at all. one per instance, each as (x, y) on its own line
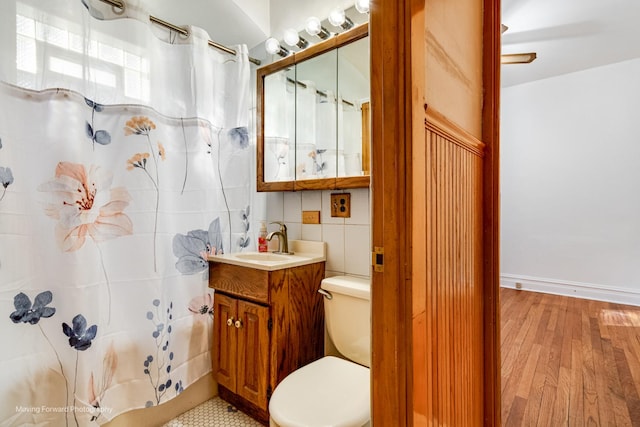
(313, 119)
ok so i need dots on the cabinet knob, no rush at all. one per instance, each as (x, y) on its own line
(239, 323)
(230, 321)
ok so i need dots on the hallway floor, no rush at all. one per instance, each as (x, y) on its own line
(569, 361)
(213, 413)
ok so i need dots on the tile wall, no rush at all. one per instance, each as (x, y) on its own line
(348, 239)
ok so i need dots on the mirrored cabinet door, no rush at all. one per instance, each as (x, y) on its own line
(313, 120)
(279, 126)
(353, 109)
(316, 128)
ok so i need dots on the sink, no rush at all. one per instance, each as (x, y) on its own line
(262, 256)
(305, 252)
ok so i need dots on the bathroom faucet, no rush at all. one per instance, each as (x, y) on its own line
(283, 240)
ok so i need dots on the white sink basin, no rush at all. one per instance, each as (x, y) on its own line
(304, 252)
(263, 256)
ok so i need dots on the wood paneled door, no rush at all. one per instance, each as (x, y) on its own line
(435, 346)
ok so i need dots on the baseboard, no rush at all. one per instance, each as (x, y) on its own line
(571, 289)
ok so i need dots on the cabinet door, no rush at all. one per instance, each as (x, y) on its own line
(225, 341)
(253, 352)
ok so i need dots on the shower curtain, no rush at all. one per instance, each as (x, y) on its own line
(124, 162)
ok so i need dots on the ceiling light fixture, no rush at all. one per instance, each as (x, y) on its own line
(362, 6)
(337, 18)
(273, 47)
(293, 39)
(518, 58)
(314, 27)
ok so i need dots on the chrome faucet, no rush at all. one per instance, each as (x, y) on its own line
(283, 240)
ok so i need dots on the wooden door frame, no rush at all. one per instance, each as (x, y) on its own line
(397, 93)
(391, 219)
(491, 209)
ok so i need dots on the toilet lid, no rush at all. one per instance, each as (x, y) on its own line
(328, 392)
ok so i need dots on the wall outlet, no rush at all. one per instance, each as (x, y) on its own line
(341, 205)
(518, 285)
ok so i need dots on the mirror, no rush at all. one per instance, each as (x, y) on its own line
(313, 117)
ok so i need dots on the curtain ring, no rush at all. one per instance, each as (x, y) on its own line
(117, 6)
(118, 10)
(185, 35)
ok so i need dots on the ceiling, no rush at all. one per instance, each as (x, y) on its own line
(228, 22)
(250, 22)
(568, 35)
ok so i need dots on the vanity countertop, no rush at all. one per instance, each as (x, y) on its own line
(304, 252)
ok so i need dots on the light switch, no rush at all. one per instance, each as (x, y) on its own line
(311, 217)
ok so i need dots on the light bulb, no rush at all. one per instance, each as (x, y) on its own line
(314, 27)
(273, 47)
(362, 6)
(292, 38)
(337, 18)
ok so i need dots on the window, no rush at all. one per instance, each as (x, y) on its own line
(56, 48)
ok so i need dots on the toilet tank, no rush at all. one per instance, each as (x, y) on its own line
(348, 316)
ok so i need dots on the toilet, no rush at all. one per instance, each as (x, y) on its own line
(333, 391)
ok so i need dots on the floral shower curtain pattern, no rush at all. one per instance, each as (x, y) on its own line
(124, 162)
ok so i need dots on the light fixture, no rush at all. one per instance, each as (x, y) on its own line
(273, 47)
(314, 27)
(292, 38)
(337, 18)
(362, 6)
(518, 58)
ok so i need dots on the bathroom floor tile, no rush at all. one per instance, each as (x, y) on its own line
(213, 413)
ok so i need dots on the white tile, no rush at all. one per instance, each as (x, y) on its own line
(311, 200)
(294, 231)
(311, 232)
(214, 412)
(275, 207)
(357, 245)
(292, 207)
(259, 206)
(333, 235)
(325, 214)
(360, 207)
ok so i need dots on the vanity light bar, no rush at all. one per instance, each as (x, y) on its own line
(313, 27)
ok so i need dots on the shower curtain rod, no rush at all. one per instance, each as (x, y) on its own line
(120, 5)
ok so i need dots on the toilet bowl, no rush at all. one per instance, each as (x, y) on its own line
(332, 391)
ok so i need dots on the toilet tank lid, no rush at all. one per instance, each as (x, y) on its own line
(348, 285)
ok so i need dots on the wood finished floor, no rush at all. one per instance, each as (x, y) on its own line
(569, 361)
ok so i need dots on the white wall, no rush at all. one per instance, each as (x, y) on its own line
(348, 239)
(570, 186)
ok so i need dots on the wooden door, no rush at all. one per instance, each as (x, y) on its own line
(253, 352)
(224, 356)
(435, 358)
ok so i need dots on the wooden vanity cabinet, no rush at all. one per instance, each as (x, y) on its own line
(266, 325)
(241, 331)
